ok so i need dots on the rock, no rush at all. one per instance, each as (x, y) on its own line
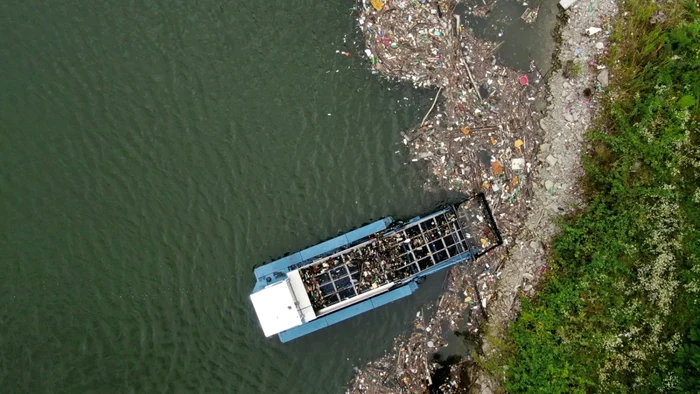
(540, 104)
(659, 17)
(603, 77)
(545, 147)
(548, 184)
(599, 45)
(527, 287)
(568, 117)
(535, 245)
(425, 155)
(551, 160)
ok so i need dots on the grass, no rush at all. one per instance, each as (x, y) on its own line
(620, 310)
(571, 69)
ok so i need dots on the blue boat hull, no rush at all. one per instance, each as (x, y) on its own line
(277, 271)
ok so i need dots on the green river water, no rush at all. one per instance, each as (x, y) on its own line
(152, 153)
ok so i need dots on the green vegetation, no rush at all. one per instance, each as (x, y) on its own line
(571, 69)
(620, 309)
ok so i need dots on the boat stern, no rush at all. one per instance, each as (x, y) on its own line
(282, 305)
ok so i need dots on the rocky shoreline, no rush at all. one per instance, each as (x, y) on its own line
(574, 100)
(492, 130)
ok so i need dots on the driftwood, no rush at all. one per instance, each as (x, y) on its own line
(469, 72)
(431, 107)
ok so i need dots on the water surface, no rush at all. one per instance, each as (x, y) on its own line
(152, 154)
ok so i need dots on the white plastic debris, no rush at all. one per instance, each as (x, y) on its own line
(565, 4)
(517, 164)
(593, 30)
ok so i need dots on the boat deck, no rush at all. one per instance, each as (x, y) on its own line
(386, 258)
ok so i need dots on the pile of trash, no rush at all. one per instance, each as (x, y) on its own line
(480, 135)
(408, 40)
(482, 130)
(408, 367)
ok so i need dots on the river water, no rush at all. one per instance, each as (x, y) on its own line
(152, 154)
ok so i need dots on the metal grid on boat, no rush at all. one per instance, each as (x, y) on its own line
(386, 258)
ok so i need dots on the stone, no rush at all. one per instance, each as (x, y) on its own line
(548, 184)
(545, 147)
(599, 45)
(535, 245)
(540, 105)
(551, 160)
(603, 78)
(568, 117)
(527, 287)
(659, 17)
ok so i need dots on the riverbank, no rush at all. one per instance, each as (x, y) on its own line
(618, 311)
(486, 133)
(576, 97)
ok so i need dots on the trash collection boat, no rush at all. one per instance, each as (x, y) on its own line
(368, 267)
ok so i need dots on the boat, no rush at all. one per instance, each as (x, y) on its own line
(367, 268)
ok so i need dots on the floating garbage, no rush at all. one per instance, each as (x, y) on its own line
(530, 15)
(479, 135)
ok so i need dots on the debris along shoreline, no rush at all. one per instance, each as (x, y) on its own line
(479, 135)
(482, 136)
(482, 133)
(576, 99)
